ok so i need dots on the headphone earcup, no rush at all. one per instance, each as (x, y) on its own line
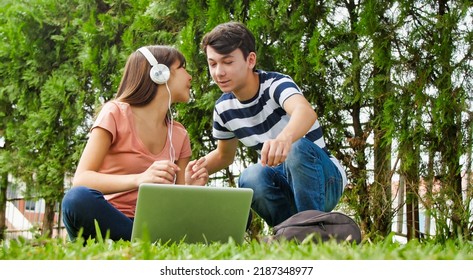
(160, 73)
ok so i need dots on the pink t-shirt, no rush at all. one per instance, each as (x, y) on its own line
(128, 155)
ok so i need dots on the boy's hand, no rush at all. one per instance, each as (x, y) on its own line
(196, 172)
(275, 151)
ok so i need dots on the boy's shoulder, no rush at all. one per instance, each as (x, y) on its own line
(271, 74)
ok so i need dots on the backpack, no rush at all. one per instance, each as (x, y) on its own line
(322, 226)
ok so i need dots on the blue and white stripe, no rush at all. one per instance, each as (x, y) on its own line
(261, 118)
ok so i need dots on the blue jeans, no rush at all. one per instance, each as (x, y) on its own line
(307, 180)
(81, 206)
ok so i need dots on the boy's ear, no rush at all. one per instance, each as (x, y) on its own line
(251, 59)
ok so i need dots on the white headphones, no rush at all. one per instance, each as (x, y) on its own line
(159, 73)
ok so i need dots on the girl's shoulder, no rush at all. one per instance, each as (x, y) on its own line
(115, 108)
(179, 127)
(114, 105)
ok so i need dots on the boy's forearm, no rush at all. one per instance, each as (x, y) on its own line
(214, 162)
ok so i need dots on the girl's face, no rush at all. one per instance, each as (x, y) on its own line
(179, 83)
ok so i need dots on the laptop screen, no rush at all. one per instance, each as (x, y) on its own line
(192, 214)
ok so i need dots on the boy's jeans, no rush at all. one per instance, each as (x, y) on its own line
(308, 179)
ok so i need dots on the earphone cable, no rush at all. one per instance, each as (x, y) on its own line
(172, 152)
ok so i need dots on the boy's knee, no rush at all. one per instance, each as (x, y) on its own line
(250, 175)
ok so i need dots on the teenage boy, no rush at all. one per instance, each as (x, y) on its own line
(267, 112)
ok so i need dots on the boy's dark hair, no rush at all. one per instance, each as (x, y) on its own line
(227, 37)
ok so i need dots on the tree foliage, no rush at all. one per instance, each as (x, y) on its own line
(391, 82)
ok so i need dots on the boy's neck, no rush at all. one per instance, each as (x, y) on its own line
(251, 88)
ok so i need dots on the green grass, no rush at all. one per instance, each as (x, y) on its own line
(57, 249)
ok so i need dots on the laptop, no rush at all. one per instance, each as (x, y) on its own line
(191, 214)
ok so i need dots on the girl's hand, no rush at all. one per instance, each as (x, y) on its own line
(160, 172)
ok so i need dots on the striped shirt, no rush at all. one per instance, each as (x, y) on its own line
(261, 118)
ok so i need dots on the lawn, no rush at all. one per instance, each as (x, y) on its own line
(251, 260)
(57, 249)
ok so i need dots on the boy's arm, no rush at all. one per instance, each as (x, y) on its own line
(302, 118)
(222, 156)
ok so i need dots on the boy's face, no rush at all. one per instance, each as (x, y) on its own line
(230, 71)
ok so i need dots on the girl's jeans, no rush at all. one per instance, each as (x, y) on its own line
(307, 180)
(81, 206)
